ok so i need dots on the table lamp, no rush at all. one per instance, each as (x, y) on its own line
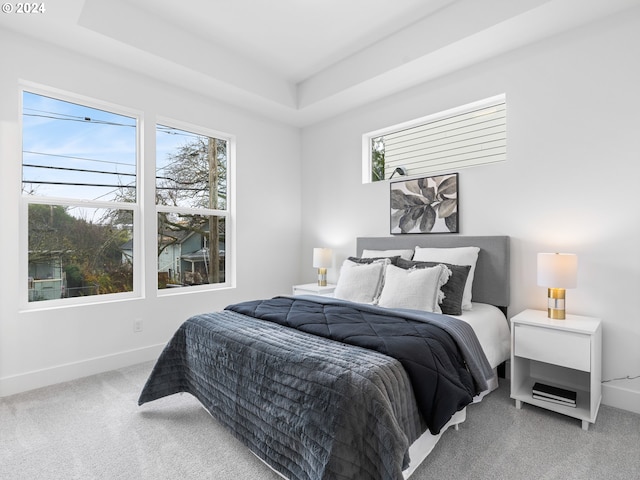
(321, 260)
(557, 271)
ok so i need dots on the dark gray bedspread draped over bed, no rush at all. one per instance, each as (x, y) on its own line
(312, 407)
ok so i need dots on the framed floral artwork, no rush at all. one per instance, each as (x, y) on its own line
(425, 205)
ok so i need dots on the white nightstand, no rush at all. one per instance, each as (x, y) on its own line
(313, 289)
(562, 353)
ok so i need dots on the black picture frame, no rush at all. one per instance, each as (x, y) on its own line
(424, 205)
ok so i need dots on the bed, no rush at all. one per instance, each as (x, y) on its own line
(328, 388)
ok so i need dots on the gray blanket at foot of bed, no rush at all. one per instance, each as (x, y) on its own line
(312, 408)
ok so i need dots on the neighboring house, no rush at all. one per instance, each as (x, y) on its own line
(169, 262)
(127, 251)
(47, 279)
(170, 266)
(184, 259)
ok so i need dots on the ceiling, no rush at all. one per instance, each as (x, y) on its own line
(302, 61)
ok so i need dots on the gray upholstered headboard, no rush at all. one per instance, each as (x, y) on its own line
(491, 281)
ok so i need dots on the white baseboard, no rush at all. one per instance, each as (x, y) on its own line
(622, 395)
(70, 371)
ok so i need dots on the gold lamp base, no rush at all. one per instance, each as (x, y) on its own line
(556, 303)
(322, 277)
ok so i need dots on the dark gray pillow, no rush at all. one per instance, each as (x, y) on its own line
(394, 260)
(453, 289)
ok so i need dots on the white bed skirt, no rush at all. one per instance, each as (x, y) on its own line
(422, 447)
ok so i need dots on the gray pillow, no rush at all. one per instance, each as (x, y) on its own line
(364, 260)
(453, 289)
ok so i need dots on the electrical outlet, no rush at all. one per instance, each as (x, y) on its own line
(137, 325)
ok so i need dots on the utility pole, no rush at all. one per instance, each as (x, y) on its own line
(214, 252)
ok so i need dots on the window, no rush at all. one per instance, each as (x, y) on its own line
(192, 207)
(82, 203)
(474, 134)
(79, 191)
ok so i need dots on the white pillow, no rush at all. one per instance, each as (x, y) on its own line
(360, 282)
(415, 288)
(406, 254)
(456, 256)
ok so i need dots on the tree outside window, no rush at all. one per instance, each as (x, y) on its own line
(191, 199)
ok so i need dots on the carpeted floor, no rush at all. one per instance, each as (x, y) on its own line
(92, 428)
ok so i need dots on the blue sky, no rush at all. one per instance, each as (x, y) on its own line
(83, 145)
(76, 152)
(61, 135)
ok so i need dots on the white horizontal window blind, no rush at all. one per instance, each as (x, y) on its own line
(471, 135)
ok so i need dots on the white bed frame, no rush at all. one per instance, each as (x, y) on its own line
(422, 447)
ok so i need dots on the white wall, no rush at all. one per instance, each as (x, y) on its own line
(43, 347)
(570, 182)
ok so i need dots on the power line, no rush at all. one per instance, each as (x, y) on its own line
(78, 158)
(71, 118)
(174, 131)
(77, 169)
(88, 119)
(51, 167)
(106, 185)
(75, 184)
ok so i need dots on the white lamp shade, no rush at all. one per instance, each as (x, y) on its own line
(557, 270)
(322, 257)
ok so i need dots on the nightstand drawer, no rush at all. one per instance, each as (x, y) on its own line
(566, 349)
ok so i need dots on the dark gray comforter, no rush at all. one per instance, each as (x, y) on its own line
(437, 351)
(311, 407)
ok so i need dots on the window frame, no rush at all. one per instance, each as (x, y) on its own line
(367, 160)
(134, 207)
(145, 202)
(228, 213)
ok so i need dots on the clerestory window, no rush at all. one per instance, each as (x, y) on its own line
(473, 134)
